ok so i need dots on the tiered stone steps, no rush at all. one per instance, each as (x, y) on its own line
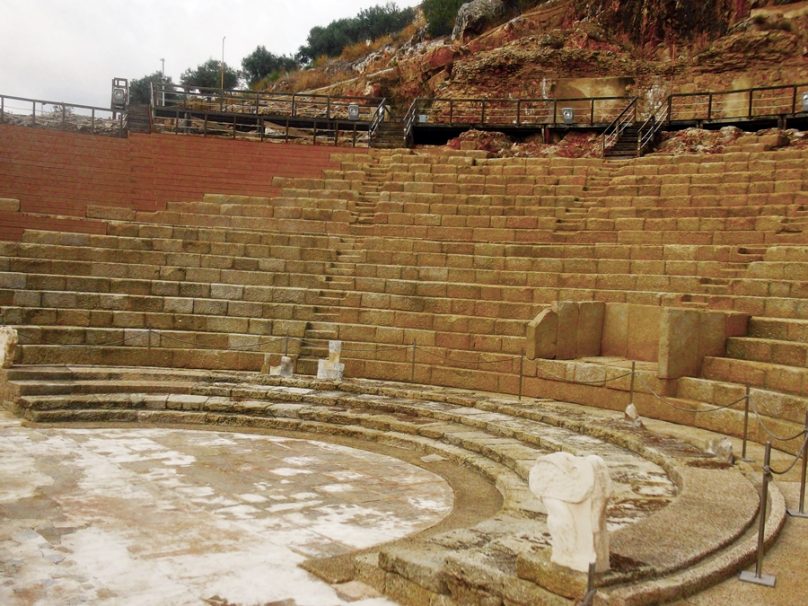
(498, 437)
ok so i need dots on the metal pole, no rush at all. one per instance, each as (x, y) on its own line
(521, 374)
(412, 366)
(633, 374)
(745, 424)
(758, 577)
(221, 67)
(800, 513)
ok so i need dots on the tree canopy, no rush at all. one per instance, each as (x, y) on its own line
(261, 63)
(441, 15)
(140, 88)
(368, 24)
(208, 75)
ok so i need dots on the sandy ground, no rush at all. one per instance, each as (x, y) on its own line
(162, 516)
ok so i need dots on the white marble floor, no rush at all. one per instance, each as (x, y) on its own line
(173, 517)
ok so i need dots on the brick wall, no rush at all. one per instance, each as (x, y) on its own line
(60, 173)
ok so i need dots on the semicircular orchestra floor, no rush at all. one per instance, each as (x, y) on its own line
(164, 516)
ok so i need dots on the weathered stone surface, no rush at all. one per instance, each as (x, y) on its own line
(575, 491)
(475, 16)
(542, 334)
(8, 346)
(561, 580)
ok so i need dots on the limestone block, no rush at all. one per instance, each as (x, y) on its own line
(8, 346)
(614, 340)
(643, 332)
(589, 333)
(542, 334)
(566, 343)
(679, 344)
(575, 492)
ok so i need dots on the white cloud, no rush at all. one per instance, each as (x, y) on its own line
(69, 50)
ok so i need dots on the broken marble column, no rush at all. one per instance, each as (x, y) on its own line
(575, 492)
(331, 369)
(8, 346)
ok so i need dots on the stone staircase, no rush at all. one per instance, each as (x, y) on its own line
(390, 133)
(626, 145)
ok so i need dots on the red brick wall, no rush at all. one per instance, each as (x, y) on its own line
(62, 173)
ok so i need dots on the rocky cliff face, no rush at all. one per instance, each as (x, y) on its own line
(651, 22)
(571, 48)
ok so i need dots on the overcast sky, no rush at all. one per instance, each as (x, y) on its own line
(69, 50)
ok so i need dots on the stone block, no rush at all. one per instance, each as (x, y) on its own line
(643, 332)
(679, 344)
(566, 341)
(614, 341)
(589, 331)
(542, 334)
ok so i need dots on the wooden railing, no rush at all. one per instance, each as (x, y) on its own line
(59, 115)
(579, 111)
(291, 105)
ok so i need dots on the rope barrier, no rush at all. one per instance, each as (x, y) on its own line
(694, 410)
(793, 463)
(768, 432)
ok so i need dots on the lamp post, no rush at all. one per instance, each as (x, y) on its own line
(221, 67)
(162, 81)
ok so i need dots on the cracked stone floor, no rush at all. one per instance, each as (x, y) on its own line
(164, 516)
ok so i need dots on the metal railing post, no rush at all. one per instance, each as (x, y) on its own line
(592, 113)
(451, 112)
(521, 374)
(412, 365)
(751, 97)
(631, 388)
(519, 111)
(710, 106)
(800, 512)
(758, 577)
(745, 423)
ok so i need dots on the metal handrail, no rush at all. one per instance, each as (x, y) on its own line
(649, 129)
(614, 130)
(378, 118)
(516, 114)
(791, 101)
(170, 96)
(118, 116)
(409, 120)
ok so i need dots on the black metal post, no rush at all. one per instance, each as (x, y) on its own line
(758, 577)
(521, 375)
(745, 423)
(800, 512)
(412, 367)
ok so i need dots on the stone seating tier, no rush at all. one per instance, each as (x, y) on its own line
(499, 438)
